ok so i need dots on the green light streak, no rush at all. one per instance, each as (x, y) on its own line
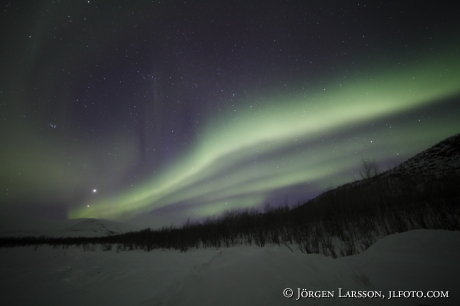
(219, 166)
(218, 207)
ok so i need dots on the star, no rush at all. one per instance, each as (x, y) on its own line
(289, 92)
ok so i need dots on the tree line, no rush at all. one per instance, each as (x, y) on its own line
(340, 222)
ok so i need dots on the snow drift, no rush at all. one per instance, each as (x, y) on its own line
(422, 260)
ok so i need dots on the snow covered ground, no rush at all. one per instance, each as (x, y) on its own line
(421, 260)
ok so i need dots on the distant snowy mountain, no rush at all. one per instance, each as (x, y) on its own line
(98, 227)
(74, 228)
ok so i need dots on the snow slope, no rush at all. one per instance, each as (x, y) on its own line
(439, 160)
(415, 260)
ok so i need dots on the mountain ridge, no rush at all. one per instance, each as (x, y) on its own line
(437, 162)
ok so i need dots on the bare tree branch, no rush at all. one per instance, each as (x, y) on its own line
(369, 168)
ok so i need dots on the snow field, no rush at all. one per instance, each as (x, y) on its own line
(415, 260)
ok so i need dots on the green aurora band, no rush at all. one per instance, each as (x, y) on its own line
(243, 156)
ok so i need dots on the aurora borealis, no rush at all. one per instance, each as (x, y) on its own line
(174, 110)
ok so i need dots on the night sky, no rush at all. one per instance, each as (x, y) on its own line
(151, 112)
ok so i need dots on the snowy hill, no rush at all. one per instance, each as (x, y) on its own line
(73, 228)
(439, 160)
(98, 227)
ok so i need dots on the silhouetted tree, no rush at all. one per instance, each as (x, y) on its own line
(369, 168)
